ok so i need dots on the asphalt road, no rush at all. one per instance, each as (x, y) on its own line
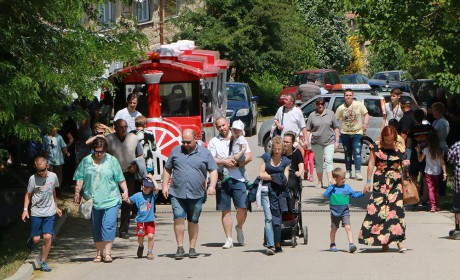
(430, 255)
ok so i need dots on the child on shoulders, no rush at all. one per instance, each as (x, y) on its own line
(339, 194)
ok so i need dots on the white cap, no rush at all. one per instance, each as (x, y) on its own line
(238, 125)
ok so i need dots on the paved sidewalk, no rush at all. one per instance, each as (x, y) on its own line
(431, 254)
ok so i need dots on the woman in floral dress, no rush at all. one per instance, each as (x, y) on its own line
(384, 222)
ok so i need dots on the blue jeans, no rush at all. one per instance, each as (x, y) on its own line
(352, 144)
(269, 237)
(104, 223)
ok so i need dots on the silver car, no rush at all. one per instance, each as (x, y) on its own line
(374, 103)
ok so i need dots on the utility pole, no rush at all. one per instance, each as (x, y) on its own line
(162, 17)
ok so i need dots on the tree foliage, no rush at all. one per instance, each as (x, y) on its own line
(420, 35)
(325, 19)
(258, 36)
(50, 49)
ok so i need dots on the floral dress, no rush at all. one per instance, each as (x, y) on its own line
(384, 222)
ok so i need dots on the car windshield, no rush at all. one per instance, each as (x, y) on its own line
(298, 79)
(236, 92)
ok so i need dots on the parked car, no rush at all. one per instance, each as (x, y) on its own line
(393, 79)
(242, 105)
(374, 103)
(354, 79)
(327, 79)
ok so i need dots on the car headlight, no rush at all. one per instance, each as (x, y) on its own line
(242, 112)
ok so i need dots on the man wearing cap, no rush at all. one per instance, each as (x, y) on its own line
(125, 148)
(188, 165)
(234, 188)
(350, 116)
(308, 90)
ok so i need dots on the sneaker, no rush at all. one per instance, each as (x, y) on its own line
(278, 250)
(352, 248)
(45, 267)
(270, 251)
(311, 179)
(347, 175)
(192, 253)
(140, 251)
(150, 256)
(30, 243)
(228, 244)
(333, 248)
(124, 235)
(358, 176)
(180, 253)
(239, 235)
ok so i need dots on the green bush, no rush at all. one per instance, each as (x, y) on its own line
(267, 88)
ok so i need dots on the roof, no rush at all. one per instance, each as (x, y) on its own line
(315, 71)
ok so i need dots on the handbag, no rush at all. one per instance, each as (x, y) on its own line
(86, 207)
(275, 131)
(409, 190)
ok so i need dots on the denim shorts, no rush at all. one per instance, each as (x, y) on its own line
(104, 223)
(187, 208)
(231, 189)
(40, 225)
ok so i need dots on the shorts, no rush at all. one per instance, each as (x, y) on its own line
(143, 229)
(335, 221)
(231, 189)
(187, 208)
(40, 225)
(456, 204)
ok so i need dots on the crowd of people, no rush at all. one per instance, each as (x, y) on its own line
(114, 172)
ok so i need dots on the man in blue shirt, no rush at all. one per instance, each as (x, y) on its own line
(188, 164)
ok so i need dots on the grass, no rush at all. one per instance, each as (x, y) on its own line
(13, 249)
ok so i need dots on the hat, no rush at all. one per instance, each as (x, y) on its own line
(407, 103)
(311, 77)
(238, 125)
(148, 183)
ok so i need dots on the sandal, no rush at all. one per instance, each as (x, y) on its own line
(385, 248)
(98, 259)
(108, 258)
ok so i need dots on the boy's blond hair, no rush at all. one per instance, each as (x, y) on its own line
(338, 173)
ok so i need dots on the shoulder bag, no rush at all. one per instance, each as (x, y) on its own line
(409, 190)
(86, 207)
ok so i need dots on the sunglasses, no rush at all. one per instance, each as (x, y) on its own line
(41, 170)
(322, 104)
(99, 152)
(186, 142)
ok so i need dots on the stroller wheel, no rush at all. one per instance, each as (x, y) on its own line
(305, 235)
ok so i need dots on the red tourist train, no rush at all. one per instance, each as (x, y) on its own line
(180, 86)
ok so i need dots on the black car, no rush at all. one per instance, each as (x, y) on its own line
(242, 105)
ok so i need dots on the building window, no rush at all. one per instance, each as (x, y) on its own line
(143, 13)
(106, 13)
(171, 7)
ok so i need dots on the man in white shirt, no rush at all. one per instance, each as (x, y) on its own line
(235, 188)
(129, 113)
(289, 117)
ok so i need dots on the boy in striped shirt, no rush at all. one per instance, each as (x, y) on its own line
(339, 194)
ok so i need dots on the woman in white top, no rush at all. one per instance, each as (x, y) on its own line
(393, 109)
(434, 165)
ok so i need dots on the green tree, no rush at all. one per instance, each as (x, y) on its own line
(328, 29)
(51, 49)
(263, 38)
(420, 35)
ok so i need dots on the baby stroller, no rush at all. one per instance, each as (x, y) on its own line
(292, 226)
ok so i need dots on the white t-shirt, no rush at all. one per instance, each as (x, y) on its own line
(128, 117)
(433, 166)
(292, 120)
(218, 146)
(238, 145)
(42, 204)
(393, 112)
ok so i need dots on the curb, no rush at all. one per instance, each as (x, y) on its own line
(32, 263)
